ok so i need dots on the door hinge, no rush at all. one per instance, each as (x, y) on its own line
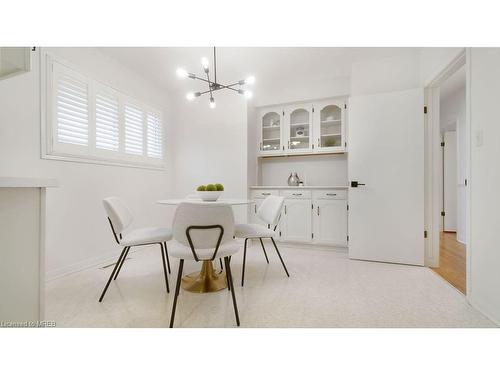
(347, 207)
(280, 233)
(425, 234)
(312, 206)
(312, 235)
(442, 144)
(345, 106)
(443, 213)
(283, 113)
(347, 238)
(313, 109)
(285, 210)
(465, 182)
(425, 109)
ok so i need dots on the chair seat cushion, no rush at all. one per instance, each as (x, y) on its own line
(178, 250)
(253, 231)
(145, 236)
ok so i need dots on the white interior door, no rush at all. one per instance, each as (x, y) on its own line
(450, 181)
(386, 153)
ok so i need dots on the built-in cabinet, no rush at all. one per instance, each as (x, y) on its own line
(314, 216)
(317, 127)
(296, 223)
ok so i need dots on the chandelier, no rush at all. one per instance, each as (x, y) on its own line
(214, 86)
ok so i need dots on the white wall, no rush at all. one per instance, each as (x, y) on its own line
(210, 146)
(387, 74)
(296, 89)
(452, 117)
(433, 60)
(463, 157)
(313, 170)
(78, 233)
(450, 169)
(484, 261)
(450, 108)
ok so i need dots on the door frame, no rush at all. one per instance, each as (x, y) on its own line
(433, 159)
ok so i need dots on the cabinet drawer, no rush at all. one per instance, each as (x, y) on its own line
(330, 194)
(296, 194)
(256, 194)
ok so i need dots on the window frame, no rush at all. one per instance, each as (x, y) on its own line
(53, 150)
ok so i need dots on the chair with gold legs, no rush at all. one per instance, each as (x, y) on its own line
(203, 232)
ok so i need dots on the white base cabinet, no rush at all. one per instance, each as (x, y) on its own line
(311, 216)
(295, 225)
(330, 222)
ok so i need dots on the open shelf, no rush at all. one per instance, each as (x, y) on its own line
(300, 137)
(331, 135)
(300, 124)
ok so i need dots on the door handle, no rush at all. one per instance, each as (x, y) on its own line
(356, 184)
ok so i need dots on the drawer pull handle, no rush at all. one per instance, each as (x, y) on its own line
(331, 194)
(266, 193)
(297, 194)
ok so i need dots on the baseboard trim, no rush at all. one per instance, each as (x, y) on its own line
(308, 246)
(102, 260)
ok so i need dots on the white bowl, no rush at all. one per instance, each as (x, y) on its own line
(209, 196)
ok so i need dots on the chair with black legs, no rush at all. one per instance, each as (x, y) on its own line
(203, 232)
(270, 213)
(120, 218)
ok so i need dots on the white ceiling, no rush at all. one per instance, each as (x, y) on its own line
(453, 84)
(268, 64)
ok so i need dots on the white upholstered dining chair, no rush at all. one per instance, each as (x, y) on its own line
(203, 232)
(270, 213)
(120, 218)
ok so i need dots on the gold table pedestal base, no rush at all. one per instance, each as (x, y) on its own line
(205, 281)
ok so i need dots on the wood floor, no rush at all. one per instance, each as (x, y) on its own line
(452, 261)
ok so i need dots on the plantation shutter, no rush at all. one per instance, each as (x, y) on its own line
(134, 130)
(154, 140)
(107, 133)
(71, 108)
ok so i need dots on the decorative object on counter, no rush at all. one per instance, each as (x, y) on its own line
(301, 183)
(210, 192)
(293, 179)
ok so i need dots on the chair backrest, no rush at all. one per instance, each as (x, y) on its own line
(119, 214)
(201, 214)
(270, 210)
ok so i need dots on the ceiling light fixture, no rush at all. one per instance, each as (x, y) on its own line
(214, 85)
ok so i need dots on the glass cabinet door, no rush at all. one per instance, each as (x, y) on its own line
(330, 126)
(299, 120)
(271, 132)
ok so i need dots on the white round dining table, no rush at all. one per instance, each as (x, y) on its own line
(207, 279)
(218, 202)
